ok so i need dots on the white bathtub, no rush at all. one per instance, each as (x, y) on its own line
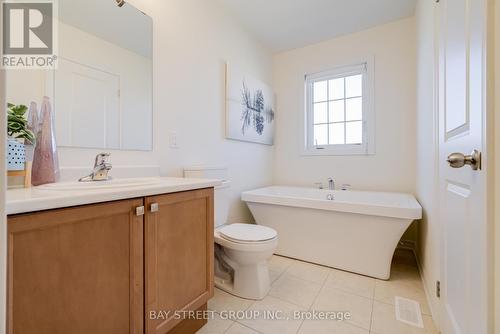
(357, 231)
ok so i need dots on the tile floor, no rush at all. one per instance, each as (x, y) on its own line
(301, 286)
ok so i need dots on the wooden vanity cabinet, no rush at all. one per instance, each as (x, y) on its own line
(92, 269)
(179, 255)
(76, 270)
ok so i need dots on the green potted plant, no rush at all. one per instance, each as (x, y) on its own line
(18, 136)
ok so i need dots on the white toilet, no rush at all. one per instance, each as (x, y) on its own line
(242, 251)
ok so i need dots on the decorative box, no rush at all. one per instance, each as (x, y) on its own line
(16, 155)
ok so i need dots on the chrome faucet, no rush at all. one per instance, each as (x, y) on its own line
(101, 169)
(331, 184)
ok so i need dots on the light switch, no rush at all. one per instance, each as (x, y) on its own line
(173, 140)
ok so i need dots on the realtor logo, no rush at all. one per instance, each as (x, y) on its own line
(29, 38)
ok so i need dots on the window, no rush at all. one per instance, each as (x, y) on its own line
(339, 112)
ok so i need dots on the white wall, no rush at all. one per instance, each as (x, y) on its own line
(193, 39)
(392, 168)
(427, 163)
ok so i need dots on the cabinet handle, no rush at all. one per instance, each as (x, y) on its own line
(155, 207)
(139, 211)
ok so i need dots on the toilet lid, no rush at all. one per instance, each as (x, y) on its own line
(247, 232)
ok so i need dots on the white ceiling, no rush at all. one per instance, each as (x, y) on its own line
(288, 24)
(125, 26)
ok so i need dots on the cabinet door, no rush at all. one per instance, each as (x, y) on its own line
(179, 256)
(77, 270)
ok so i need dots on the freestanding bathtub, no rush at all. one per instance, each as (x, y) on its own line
(356, 231)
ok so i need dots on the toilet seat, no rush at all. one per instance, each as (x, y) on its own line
(247, 233)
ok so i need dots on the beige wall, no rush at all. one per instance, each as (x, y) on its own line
(427, 161)
(392, 168)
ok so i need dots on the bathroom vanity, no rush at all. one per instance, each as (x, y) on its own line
(110, 259)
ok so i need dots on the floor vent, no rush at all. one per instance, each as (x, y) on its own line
(408, 311)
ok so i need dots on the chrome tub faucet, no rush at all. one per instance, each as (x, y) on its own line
(331, 184)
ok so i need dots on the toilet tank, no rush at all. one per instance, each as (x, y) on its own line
(222, 192)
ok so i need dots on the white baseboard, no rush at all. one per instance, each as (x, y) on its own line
(428, 292)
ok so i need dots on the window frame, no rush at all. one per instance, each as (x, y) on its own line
(367, 147)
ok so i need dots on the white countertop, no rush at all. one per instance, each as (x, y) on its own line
(36, 199)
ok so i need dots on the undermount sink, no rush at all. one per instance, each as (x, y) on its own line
(93, 185)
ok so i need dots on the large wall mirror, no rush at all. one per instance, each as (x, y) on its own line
(102, 88)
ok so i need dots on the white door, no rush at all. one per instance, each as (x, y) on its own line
(87, 106)
(462, 88)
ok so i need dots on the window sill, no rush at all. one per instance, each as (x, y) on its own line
(329, 151)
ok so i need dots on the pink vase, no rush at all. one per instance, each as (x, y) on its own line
(45, 160)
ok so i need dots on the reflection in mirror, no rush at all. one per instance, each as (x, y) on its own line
(102, 88)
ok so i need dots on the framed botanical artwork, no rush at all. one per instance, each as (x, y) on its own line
(249, 108)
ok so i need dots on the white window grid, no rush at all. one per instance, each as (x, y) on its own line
(367, 147)
(344, 99)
